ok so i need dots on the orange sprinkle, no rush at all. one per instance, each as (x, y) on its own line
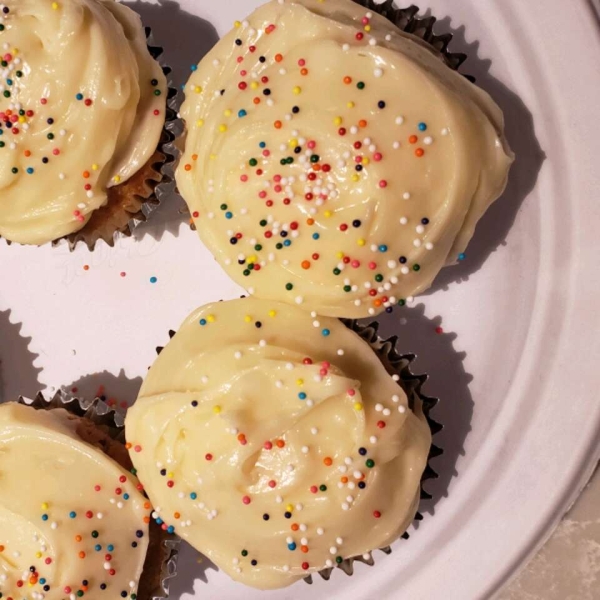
(304, 549)
(278, 57)
(82, 554)
(280, 443)
(27, 153)
(419, 152)
(194, 157)
(146, 519)
(241, 437)
(78, 538)
(316, 167)
(413, 139)
(310, 221)
(295, 527)
(177, 515)
(277, 124)
(305, 264)
(344, 479)
(1, 548)
(377, 302)
(147, 505)
(362, 123)
(86, 174)
(86, 267)
(256, 100)
(327, 461)
(128, 445)
(303, 71)
(347, 80)
(188, 167)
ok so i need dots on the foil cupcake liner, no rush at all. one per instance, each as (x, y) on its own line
(113, 422)
(399, 366)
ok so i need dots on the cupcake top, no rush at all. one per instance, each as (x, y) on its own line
(333, 161)
(71, 519)
(82, 106)
(276, 443)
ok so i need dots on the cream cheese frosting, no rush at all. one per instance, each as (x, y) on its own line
(275, 442)
(82, 107)
(71, 519)
(334, 161)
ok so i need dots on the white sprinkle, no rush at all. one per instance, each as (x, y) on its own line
(340, 352)
(403, 220)
(304, 449)
(387, 412)
(279, 499)
(379, 407)
(345, 506)
(346, 47)
(399, 120)
(406, 195)
(417, 243)
(299, 299)
(333, 550)
(391, 264)
(428, 140)
(445, 131)
(420, 229)
(314, 430)
(405, 270)
(339, 541)
(237, 354)
(262, 343)
(402, 409)
(373, 439)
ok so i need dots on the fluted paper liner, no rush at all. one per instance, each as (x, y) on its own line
(153, 586)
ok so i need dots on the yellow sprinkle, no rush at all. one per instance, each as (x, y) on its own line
(327, 213)
(339, 255)
(198, 89)
(216, 409)
(38, 555)
(272, 313)
(117, 178)
(44, 506)
(293, 143)
(355, 177)
(297, 90)
(211, 318)
(252, 259)
(55, 6)
(227, 113)
(22, 119)
(367, 28)
(248, 319)
(361, 241)
(299, 381)
(254, 84)
(350, 104)
(289, 508)
(95, 167)
(222, 128)
(171, 475)
(237, 24)
(200, 122)
(213, 156)
(365, 161)
(358, 406)
(338, 121)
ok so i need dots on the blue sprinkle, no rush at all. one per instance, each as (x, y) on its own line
(292, 546)
(302, 396)
(228, 214)
(97, 547)
(153, 279)
(262, 145)
(42, 580)
(383, 248)
(462, 256)
(125, 496)
(422, 126)
(159, 520)
(110, 547)
(79, 96)
(325, 332)
(193, 495)
(203, 322)
(287, 242)
(72, 514)
(194, 67)
(170, 529)
(242, 113)
(44, 517)
(30, 170)
(316, 236)
(9, 81)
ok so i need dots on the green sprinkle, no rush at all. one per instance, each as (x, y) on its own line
(289, 286)
(416, 267)
(360, 85)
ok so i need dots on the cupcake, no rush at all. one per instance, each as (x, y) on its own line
(82, 111)
(73, 519)
(334, 161)
(277, 443)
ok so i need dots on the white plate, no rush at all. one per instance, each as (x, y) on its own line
(515, 368)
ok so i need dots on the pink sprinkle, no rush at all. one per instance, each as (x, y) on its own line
(76, 213)
(272, 483)
(240, 59)
(372, 265)
(266, 153)
(44, 101)
(377, 156)
(277, 178)
(301, 62)
(8, 57)
(56, 151)
(246, 500)
(365, 21)
(358, 159)
(355, 264)
(262, 194)
(97, 488)
(137, 448)
(80, 219)
(268, 445)
(314, 489)
(243, 72)
(383, 183)
(123, 274)
(312, 144)
(323, 372)
(351, 392)
(244, 178)
(326, 364)
(278, 188)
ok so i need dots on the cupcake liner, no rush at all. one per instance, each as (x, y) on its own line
(113, 423)
(399, 366)
(155, 180)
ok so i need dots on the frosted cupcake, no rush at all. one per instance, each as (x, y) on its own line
(82, 109)
(277, 444)
(74, 522)
(334, 161)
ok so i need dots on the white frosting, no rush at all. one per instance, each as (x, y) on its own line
(81, 73)
(294, 83)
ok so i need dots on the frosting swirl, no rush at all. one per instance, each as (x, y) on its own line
(82, 106)
(68, 513)
(275, 444)
(334, 161)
